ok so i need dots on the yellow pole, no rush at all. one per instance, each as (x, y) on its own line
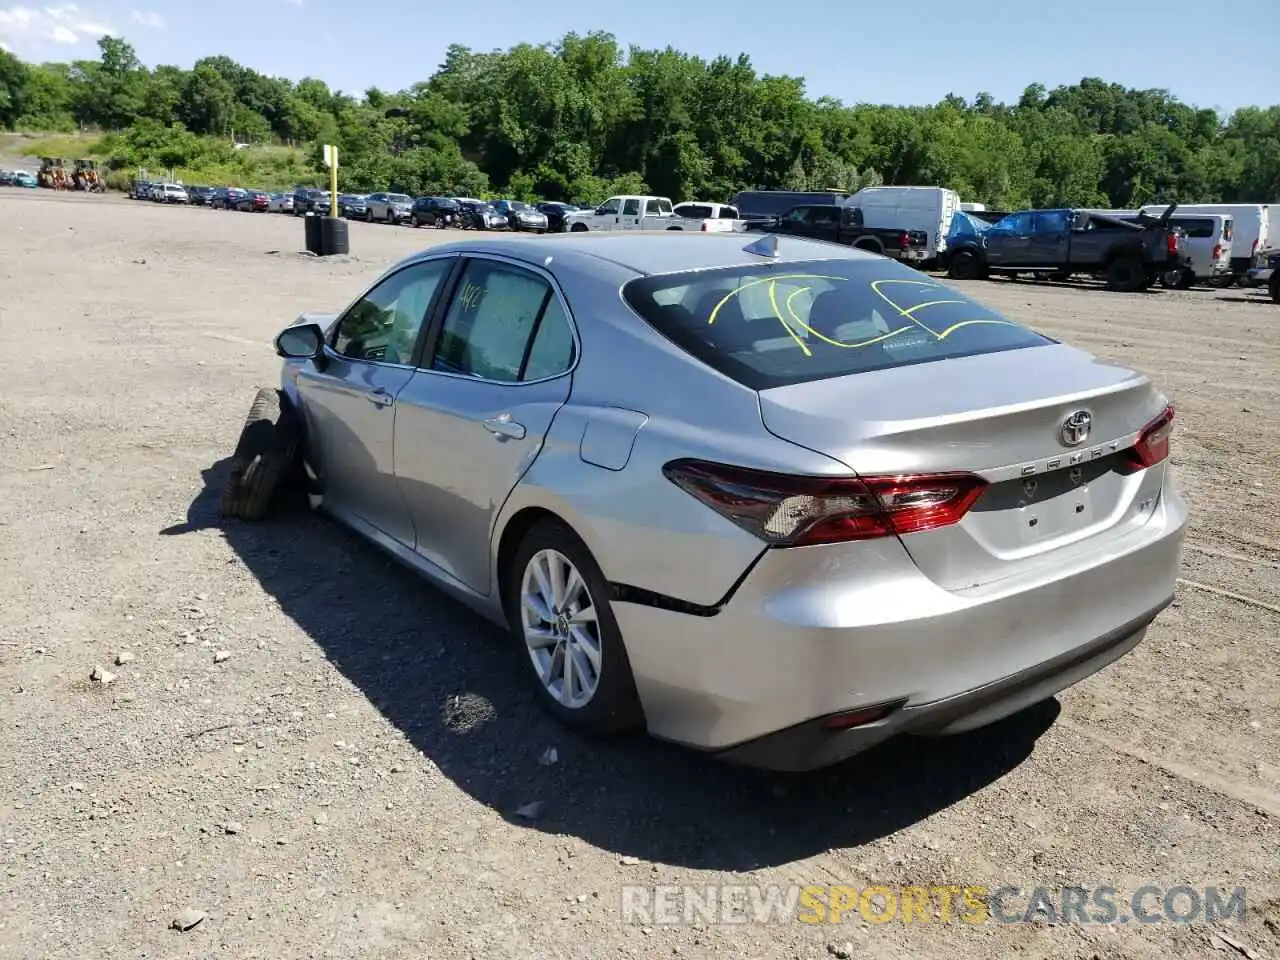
(333, 187)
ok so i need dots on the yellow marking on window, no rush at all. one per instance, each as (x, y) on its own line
(715, 311)
(835, 343)
(875, 288)
(971, 323)
(777, 312)
(933, 303)
(471, 295)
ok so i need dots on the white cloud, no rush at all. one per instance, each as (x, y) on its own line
(149, 19)
(28, 31)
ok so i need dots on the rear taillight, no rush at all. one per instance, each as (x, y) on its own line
(904, 240)
(704, 226)
(1171, 242)
(793, 511)
(1153, 443)
(1217, 251)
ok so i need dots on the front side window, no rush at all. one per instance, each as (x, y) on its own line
(495, 330)
(610, 207)
(383, 325)
(773, 325)
(1053, 221)
(1015, 223)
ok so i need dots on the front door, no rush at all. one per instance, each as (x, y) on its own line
(472, 421)
(1009, 241)
(1049, 246)
(608, 215)
(349, 399)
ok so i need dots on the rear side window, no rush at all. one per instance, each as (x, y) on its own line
(1197, 228)
(694, 211)
(773, 325)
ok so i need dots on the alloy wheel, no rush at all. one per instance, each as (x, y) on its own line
(561, 633)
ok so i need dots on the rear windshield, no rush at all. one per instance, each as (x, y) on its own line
(773, 325)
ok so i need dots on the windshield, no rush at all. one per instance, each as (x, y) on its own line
(398, 198)
(770, 326)
(518, 205)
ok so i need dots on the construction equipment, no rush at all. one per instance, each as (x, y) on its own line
(53, 174)
(88, 177)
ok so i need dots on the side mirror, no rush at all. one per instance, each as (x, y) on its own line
(601, 212)
(303, 342)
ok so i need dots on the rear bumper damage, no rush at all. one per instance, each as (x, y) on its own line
(812, 633)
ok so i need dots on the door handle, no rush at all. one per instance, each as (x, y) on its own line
(379, 397)
(504, 428)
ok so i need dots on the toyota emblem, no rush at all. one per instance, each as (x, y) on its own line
(1075, 429)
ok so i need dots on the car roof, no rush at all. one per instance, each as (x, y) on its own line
(648, 252)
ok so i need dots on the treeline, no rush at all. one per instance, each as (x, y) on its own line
(583, 117)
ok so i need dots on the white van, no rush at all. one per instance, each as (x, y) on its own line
(1250, 223)
(928, 209)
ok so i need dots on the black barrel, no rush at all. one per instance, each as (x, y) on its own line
(312, 223)
(333, 237)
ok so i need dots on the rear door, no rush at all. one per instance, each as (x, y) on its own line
(629, 218)
(472, 420)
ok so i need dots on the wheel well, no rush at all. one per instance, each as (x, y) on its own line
(870, 244)
(512, 534)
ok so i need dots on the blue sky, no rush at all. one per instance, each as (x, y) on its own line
(855, 51)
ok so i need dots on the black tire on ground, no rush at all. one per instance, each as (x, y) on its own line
(1060, 276)
(1126, 274)
(964, 266)
(615, 708)
(578, 228)
(1177, 279)
(265, 455)
(1274, 287)
(1223, 283)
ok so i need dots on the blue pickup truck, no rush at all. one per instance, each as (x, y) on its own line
(1062, 243)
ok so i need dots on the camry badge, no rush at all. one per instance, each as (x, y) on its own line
(1075, 429)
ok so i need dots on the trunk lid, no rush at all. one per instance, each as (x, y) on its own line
(999, 415)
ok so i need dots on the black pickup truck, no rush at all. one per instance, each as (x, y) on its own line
(1060, 243)
(843, 224)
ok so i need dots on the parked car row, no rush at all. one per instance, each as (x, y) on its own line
(18, 178)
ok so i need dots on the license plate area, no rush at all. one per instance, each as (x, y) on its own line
(1044, 507)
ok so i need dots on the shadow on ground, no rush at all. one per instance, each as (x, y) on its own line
(451, 682)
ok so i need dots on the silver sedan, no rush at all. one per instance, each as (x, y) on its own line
(776, 500)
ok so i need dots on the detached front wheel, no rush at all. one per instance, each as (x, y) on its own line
(264, 457)
(558, 606)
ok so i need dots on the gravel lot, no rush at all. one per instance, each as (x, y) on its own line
(324, 758)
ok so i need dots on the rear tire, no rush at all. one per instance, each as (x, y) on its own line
(1274, 287)
(265, 455)
(578, 228)
(613, 706)
(964, 266)
(1126, 274)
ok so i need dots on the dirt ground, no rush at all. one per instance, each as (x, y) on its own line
(322, 757)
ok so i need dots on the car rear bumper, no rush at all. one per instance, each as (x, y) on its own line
(815, 632)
